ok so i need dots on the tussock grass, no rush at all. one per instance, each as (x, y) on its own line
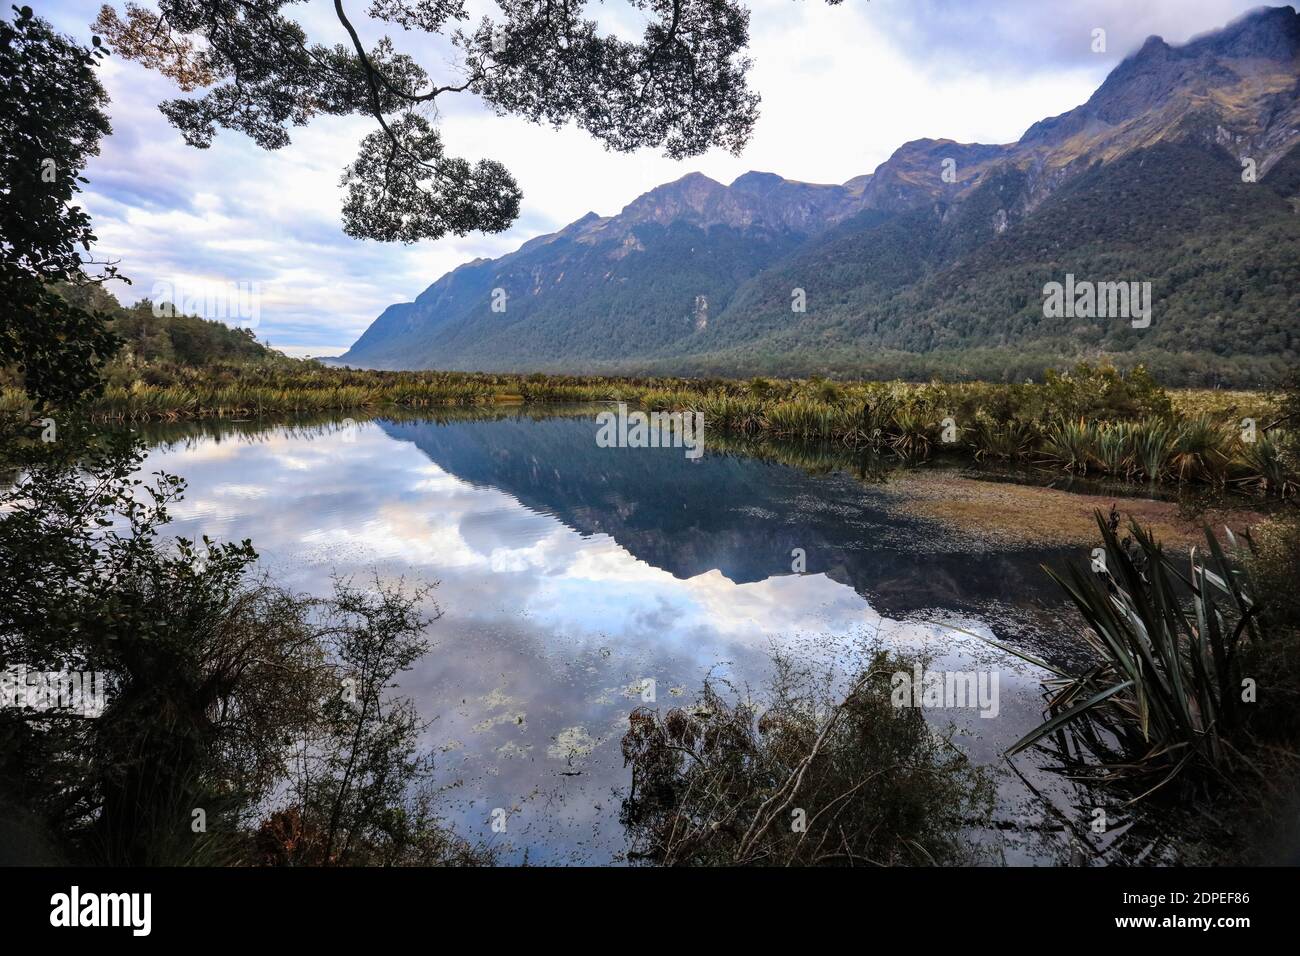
(1092, 421)
(1178, 650)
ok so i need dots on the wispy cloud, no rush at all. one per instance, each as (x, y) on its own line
(1044, 36)
(842, 87)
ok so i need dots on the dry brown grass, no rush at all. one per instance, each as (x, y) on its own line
(1007, 515)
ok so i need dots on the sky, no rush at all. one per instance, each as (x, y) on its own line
(842, 87)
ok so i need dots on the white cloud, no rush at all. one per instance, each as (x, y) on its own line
(842, 88)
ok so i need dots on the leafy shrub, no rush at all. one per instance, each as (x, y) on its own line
(721, 782)
(223, 690)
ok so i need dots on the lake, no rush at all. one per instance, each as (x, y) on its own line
(571, 576)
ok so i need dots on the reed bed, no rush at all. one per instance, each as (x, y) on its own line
(1092, 421)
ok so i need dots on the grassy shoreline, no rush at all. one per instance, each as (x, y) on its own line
(1091, 421)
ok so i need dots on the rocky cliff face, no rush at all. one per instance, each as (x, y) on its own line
(1238, 88)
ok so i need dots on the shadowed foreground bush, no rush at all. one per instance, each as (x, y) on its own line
(241, 723)
(799, 778)
(1194, 666)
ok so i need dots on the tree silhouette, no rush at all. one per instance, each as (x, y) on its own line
(682, 87)
(51, 121)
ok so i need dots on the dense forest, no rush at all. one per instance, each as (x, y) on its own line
(1223, 261)
(914, 293)
(1179, 174)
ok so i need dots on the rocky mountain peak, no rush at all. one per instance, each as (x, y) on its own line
(754, 181)
(1271, 33)
(1235, 85)
(684, 249)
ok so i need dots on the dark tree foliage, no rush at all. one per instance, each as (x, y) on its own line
(447, 195)
(151, 336)
(682, 87)
(224, 694)
(51, 121)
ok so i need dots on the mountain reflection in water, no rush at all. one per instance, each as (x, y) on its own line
(571, 573)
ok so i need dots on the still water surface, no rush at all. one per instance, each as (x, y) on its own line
(569, 574)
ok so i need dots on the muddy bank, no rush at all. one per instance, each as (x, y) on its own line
(1009, 515)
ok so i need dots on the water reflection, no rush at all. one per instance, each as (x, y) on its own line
(569, 574)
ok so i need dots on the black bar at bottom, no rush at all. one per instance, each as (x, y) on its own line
(214, 906)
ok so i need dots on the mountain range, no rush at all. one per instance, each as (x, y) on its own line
(1180, 170)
